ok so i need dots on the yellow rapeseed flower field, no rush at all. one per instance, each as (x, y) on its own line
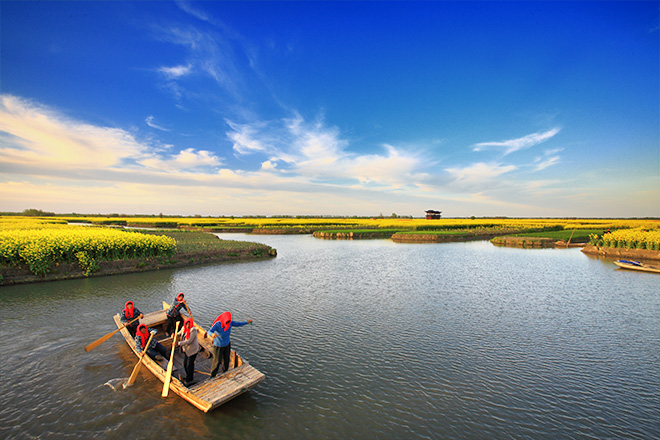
(636, 238)
(40, 244)
(370, 223)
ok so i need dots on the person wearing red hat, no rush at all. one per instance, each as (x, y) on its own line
(155, 350)
(220, 331)
(174, 313)
(190, 348)
(128, 314)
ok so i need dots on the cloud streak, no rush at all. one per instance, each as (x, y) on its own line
(297, 155)
(40, 138)
(318, 153)
(175, 72)
(210, 53)
(511, 146)
(151, 122)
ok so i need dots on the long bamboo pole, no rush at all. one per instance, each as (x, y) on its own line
(170, 365)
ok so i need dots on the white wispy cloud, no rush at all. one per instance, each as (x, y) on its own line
(59, 163)
(554, 160)
(40, 135)
(549, 158)
(297, 155)
(175, 72)
(318, 152)
(188, 8)
(209, 53)
(479, 172)
(248, 138)
(36, 137)
(186, 160)
(151, 122)
(513, 145)
(396, 168)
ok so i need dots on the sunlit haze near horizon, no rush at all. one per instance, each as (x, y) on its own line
(519, 109)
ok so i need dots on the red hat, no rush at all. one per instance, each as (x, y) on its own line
(143, 333)
(129, 313)
(187, 328)
(225, 319)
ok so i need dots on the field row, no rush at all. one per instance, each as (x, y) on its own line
(373, 223)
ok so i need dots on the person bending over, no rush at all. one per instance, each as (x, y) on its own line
(174, 313)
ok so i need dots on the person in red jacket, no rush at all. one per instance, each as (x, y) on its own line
(155, 350)
(128, 314)
(174, 313)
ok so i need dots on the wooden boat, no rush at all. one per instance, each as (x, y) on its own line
(206, 393)
(636, 265)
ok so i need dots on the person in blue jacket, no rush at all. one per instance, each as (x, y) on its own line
(220, 331)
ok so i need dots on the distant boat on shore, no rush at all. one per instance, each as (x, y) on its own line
(636, 265)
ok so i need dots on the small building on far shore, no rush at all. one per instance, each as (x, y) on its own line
(433, 215)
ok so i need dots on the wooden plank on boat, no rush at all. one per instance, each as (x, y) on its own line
(154, 319)
(209, 392)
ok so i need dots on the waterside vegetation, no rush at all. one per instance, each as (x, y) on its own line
(56, 247)
(39, 249)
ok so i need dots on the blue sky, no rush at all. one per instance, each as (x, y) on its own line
(532, 109)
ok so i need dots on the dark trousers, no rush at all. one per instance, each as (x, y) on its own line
(171, 320)
(220, 355)
(189, 366)
(158, 349)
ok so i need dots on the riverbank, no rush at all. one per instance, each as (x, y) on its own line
(402, 237)
(66, 271)
(619, 253)
(192, 249)
(367, 234)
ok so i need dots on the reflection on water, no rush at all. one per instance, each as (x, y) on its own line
(357, 339)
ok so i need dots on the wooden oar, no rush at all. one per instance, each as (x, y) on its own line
(170, 365)
(187, 308)
(136, 369)
(203, 332)
(101, 340)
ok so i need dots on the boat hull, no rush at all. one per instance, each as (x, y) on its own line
(635, 265)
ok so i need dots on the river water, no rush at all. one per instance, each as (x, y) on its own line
(358, 339)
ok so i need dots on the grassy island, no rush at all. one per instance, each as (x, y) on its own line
(33, 250)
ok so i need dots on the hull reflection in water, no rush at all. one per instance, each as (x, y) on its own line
(207, 393)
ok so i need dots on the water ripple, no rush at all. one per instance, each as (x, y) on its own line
(358, 339)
